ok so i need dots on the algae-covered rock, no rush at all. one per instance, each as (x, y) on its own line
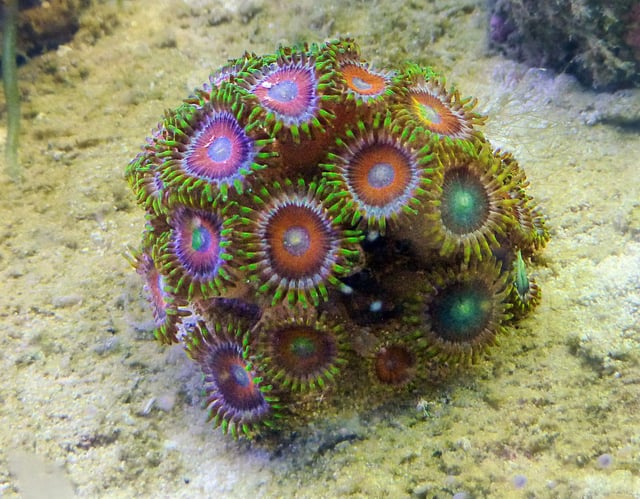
(599, 42)
(43, 26)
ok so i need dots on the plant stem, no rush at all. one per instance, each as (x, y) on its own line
(11, 92)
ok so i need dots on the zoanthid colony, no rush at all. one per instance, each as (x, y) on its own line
(318, 228)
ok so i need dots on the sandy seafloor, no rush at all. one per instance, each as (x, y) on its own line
(91, 406)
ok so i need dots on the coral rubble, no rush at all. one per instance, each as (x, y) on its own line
(318, 230)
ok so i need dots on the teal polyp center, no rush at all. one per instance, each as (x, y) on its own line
(302, 352)
(461, 311)
(303, 347)
(201, 239)
(465, 203)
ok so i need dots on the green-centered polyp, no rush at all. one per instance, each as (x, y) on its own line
(475, 205)
(465, 202)
(303, 350)
(465, 310)
(196, 253)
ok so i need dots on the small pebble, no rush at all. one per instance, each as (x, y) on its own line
(421, 491)
(146, 410)
(66, 301)
(107, 345)
(166, 402)
(519, 481)
(605, 461)
(170, 445)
